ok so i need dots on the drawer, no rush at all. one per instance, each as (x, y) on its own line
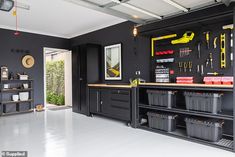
(120, 91)
(119, 112)
(120, 104)
(120, 95)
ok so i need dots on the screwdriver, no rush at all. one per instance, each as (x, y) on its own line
(215, 74)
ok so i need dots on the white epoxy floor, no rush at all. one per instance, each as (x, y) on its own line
(66, 134)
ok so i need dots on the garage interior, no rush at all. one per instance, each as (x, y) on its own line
(142, 78)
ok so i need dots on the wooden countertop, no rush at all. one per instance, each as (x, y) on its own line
(110, 85)
(187, 85)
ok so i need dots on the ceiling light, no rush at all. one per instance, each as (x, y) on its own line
(171, 2)
(6, 5)
(135, 31)
(137, 9)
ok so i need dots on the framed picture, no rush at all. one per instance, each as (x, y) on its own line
(113, 62)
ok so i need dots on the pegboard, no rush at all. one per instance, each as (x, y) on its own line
(215, 29)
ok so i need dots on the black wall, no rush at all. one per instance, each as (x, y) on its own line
(34, 44)
(135, 52)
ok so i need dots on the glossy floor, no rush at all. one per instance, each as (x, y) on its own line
(62, 133)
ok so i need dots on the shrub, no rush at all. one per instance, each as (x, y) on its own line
(55, 82)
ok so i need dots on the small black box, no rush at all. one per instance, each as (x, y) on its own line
(23, 107)
(8, 108)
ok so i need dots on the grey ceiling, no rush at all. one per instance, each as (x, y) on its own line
(157, 7)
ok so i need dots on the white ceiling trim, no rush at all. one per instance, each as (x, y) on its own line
(33, 31)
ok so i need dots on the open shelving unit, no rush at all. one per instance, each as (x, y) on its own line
(227, 115)
(15, 87)
(199, 24)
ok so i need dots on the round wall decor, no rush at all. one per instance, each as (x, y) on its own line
(28, 61)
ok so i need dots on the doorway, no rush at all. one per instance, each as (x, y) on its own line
(57, 78)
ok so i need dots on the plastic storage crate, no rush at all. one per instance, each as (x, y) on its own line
(162, 98)
(206, 102)
(204, 129)
(164, 122)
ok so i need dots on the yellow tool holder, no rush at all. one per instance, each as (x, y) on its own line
(160, 38)
(223, 51)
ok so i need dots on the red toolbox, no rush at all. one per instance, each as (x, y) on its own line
(184, 80)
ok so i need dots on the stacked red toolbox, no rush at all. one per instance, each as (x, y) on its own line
(184, 80)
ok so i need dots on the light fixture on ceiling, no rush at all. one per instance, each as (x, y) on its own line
(137, 9)
(135, 31)
(171, 2)
(6, 5)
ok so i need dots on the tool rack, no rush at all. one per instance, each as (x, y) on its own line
(199, 26)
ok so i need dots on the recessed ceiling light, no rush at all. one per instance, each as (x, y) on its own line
(171, 2)
(135, 16)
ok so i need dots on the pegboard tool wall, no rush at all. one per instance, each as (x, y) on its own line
(215, 28)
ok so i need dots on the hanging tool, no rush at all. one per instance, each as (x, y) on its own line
(198, 68)
(160, 38)
(190, 66)
(207, 62)
(211, 60)
(184, 52)
(215, 42)
(199, 50)
(180, 64)
(214, 74)
(187, 37)
(230, 27)
(202, 70)
(207, 33)
(185, 66)
(222, 50)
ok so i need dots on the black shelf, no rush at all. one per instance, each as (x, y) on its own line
(16, 102)
(225, 115)
(17, 112)
(16, 80)
(15, 90)
(16, 87)
(224, 143)
(188, 88)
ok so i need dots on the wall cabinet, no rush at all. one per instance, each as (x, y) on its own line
(111, 102)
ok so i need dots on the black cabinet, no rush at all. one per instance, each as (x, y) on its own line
(114, 103)
(85, 69)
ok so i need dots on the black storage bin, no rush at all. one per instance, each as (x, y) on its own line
(164, 122)
(23, 107)
(161, 98)
(209, 130)
(206, 102)
(9, 108)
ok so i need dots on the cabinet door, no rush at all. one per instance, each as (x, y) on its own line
(105, 101)
(94, 102)
(75, 77)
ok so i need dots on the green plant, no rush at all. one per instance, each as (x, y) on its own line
(55, 82)
(53, 98)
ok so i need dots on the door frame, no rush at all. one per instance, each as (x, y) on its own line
(44, 72)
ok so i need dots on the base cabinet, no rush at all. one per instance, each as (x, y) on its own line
(113, 103)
